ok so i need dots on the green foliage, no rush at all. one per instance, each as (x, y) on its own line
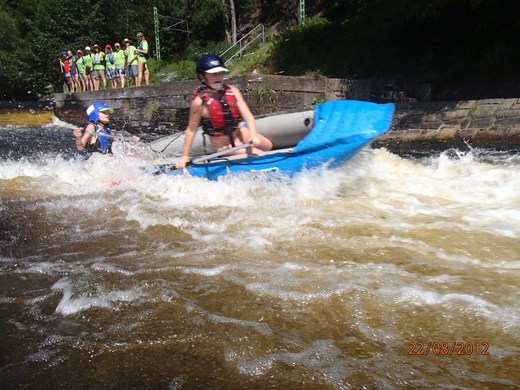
(35, 32)
(316, 47)
(474, 108)
(264, 96)
(208, 19)
(164, 72)
(454, 40)
(258, 61)
(457, 40)
(8, 64)
(278, 11)
(318, 99)
(194, 50)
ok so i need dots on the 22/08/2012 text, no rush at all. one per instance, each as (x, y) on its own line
(448, 348)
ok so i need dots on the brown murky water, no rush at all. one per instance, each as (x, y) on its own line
(384, 273)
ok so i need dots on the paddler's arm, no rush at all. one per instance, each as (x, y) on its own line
(191, 130)
(83, 140)
(246, 115)
(77, 135)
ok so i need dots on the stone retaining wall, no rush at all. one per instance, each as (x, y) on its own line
(165, 107)
(418, 123)
(490, 123)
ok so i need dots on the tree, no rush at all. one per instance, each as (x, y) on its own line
(9, 65)
(231, 25)
(342, 37)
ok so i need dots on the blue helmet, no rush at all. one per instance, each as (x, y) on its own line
(210, 63)
(93, 111)
(63, 53)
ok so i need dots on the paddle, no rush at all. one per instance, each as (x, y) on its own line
(221, 153)
(207, 157)
(114, 136)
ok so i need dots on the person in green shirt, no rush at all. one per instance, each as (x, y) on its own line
(73, 70)
(98, 60)
(119, 65)
(88, 68)
(142, 57)
(110, 66)
(80, 64)
(132, 70)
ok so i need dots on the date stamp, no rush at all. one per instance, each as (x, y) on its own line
(446, 348)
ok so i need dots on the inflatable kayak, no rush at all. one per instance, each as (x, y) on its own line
(329, 135)
(284, 130)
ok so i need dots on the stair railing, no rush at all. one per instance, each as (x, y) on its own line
(244, 42)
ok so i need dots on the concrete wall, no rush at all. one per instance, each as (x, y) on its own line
(164, 107)
(489, 123)
(419, 123)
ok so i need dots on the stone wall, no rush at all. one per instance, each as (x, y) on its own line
(419, 123)
(165, 107)
(489, 123)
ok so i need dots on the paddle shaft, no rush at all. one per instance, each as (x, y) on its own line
(109, 135)
(207, 157)
(221, 153)
(113, 136)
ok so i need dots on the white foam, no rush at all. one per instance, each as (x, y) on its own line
(72, 303)
(416, 295)
(260, 327)
(110, 268)
(512, 265)
(381, 182)
(323, 360)
(450, 302)
(56, 122)
(214, 271)
(44, 268)
(375, 203)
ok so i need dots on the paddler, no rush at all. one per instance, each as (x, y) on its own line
(222, 111)
(96, 136)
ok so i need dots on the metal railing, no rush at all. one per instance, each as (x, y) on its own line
(242, 44)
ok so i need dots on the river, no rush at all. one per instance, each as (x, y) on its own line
(387, 272)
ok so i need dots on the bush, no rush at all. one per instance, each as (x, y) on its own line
(166, 72)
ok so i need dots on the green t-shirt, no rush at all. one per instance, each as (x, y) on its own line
(109, 57)
(119, 58)
(143, 45)
(131, 54)
(88, 60)
(100, 60)
(80, 64)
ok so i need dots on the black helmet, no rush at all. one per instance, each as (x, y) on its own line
(210, 63)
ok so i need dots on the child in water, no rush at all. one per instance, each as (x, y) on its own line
(96, 136)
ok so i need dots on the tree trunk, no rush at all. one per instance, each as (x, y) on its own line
(233, 22)
(231, 36)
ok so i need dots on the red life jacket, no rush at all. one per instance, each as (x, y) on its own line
(224, 114)
(66, 66)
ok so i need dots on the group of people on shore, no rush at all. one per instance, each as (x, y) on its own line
(93, 69)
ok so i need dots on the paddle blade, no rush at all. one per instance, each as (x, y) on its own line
(346, 121)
